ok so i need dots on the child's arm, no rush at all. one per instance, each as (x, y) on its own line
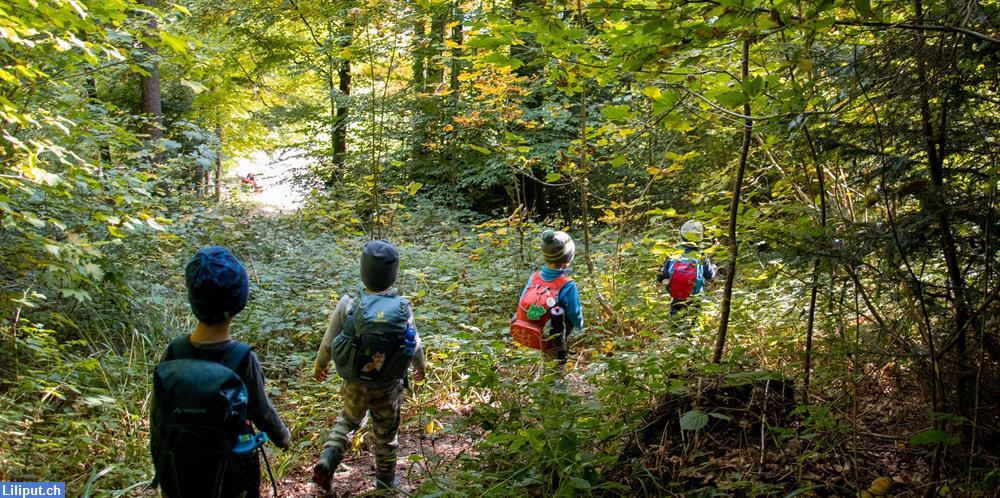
(337, 319)
(260, 409)
(708, 270)
(418, 363)
(570, 299)
(664, 273)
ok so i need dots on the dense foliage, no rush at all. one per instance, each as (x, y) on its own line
(842, 155)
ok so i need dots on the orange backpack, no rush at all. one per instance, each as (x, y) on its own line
(535, 309)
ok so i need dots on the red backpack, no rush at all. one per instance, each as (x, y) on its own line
(685, 278)
(534, 310)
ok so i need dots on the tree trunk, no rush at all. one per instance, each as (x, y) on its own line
(103, 150)
(419, 54)
(455, 85)
(218, 165)
(807, 367)
(734, 209)
(339, 129)
(435, 67)
(151, 99)
(584, 192)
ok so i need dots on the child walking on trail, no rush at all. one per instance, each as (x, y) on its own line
(685, 276)
(208, 389)
(549, 307)
(373, 341)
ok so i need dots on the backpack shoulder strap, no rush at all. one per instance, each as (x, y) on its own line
(536, 278)
(235, 355)
(561, 282)
(181, 348)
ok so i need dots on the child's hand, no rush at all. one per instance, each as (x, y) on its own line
(664, 282)
(418, 375)
(320, 375)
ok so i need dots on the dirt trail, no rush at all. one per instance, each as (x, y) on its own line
(437, 453)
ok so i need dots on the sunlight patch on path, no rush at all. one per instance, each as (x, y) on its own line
(273, 173)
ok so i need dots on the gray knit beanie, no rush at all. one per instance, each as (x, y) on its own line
(557, 247)
(379, 265)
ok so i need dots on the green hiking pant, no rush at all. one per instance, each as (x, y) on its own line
(383, 404)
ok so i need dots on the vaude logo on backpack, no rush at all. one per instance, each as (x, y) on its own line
(200, 410)
(535, 309)
(376, 345)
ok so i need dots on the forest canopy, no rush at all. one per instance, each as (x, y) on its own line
(842, 157)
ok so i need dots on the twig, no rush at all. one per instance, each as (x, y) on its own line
(253, 267)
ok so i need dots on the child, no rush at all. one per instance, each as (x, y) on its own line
(550, 298)
(685, 276)
(197, 449)
(372, 340)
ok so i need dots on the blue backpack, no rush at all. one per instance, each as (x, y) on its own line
(377, 343)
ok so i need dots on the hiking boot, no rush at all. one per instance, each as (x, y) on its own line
(324, 469)
(386, 483)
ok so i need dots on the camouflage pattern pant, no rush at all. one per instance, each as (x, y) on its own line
(384, 405)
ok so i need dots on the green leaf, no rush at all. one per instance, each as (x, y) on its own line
(579, 483)
(863, 8)
(499, 59)
(180, 8)
(94, 271)
(732, 98)
(694, 420)
(752, 87)
(194, 86)
(481, 150)
(553, 177)
(176, 43)
(616, 112)
(931, 437)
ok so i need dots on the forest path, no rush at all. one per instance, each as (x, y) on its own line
(274, 173)
(425, 452)
(300, 269)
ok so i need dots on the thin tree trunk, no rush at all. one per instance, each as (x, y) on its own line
(455, 85)
(435, 68)
(584, 193)
(103, 150)
(218, 165)
(419, 54)
(151, 99)
(734, 208)
(344, 87)
(807, 367)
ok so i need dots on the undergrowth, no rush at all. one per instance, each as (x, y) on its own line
(75, 406)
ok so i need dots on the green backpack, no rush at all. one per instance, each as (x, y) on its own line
(376, 345)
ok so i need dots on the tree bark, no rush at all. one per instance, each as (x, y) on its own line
(807, 367)
(455, 85)
(103, 150)
(419, 54)
(218, 165)
(339, 133)
(734, 208)
(584, 192)
(435, 68)
(151, 98)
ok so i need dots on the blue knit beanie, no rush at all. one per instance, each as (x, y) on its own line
(217, 285)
